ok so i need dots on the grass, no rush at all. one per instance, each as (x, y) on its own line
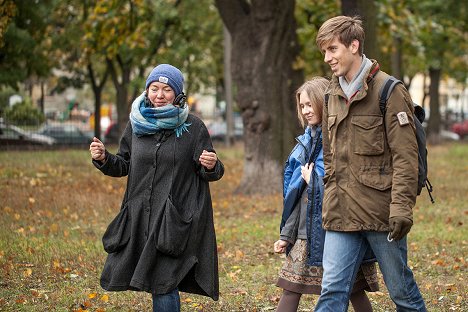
(55, 207)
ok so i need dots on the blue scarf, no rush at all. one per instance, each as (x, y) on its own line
(150, 120)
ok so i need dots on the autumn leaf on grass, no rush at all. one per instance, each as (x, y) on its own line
(27, 272)
(239, 255)
(91, 296)
(439, 262)
(105, 298)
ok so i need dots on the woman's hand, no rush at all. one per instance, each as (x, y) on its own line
(280, 246)
(306, 171)
(208, 159)
(97, 150)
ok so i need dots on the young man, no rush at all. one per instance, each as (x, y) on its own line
(371, 164)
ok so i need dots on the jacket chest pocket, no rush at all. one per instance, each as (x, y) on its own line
(368, 135)
(332, 132)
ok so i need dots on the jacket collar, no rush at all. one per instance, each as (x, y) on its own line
(335, 88)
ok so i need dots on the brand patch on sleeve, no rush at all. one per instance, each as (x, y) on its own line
(403, 118)
(163, 79)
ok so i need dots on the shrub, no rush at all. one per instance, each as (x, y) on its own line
(24, 114)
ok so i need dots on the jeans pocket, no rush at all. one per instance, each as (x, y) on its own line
(174, 232)
(117, 234)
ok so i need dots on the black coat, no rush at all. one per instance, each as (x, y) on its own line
(163, 236)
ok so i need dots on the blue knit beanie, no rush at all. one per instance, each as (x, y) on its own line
(169, 75)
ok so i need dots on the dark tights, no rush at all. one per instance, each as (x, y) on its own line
(290, 301)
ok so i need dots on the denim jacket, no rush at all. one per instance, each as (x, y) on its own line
(293, 186)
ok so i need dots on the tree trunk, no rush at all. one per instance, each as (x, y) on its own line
(228, 87)
(433, 127)
(396, 58)
(41, 98)
(97, 91)
(121, 89)
(367, 10)
(264, 48)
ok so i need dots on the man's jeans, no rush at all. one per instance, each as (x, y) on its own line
(342, 256)
(169, 302)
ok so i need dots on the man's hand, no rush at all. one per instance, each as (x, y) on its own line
(399, 227)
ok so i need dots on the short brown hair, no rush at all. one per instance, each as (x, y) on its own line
(345, 28)
(315, 89)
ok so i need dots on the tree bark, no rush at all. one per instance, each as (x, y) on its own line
(433, 126)
(121, 88)
(264, 48)
(97, 91)
(367, 10)
(396, 58)
(228, 87)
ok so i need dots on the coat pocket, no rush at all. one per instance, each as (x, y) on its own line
(368, 137)
(117, 234)
(174, 231)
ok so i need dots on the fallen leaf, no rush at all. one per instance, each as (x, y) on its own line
(105, 298)
(27, 272)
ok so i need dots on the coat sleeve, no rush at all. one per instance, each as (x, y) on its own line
(326, 144)
(118, 165)
(401, 137)
(204, 143)
(288, 171)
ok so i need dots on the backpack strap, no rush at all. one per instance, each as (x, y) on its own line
(385, 92)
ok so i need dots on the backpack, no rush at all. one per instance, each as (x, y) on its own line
(419, 116)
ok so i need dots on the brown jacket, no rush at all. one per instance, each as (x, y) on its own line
(371, 164)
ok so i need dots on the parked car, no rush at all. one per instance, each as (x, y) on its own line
(461, 128)
(11, 135)
(66, 134)
(218, 130)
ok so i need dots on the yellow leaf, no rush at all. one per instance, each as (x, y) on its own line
(54, 228)
(27, 272)
(56, 264)
(105, 298)
(91, 296)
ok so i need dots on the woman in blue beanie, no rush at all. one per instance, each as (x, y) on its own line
(301, 233)
(163, 240)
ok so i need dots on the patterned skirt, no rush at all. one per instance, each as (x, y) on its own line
(298, 277)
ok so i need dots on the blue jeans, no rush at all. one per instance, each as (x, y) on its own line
(342, 256)
(169, 302)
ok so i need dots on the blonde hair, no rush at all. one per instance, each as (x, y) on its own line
(345, 28)
(315, 89)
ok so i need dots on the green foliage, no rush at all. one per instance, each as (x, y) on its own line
(24, 114)
(7, 11)
(310, 15)
(23, 54)
(5, 94)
